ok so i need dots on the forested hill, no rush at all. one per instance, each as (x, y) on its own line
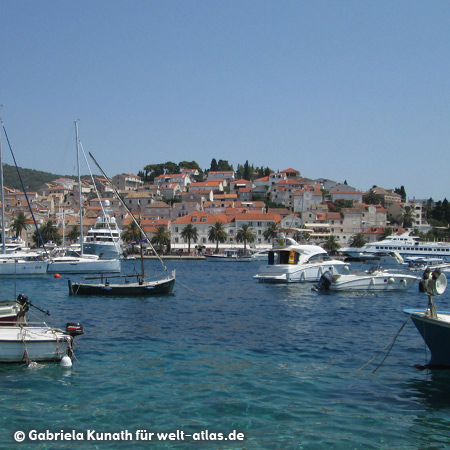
(32, 179)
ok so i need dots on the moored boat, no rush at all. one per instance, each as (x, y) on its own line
(290, 262)
(369, 280)
(229, 255)
(433, 325)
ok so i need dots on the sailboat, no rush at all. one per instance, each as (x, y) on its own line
(17, 263)
(72, 261)
(140, 287)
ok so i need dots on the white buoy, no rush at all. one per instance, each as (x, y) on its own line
(66, 362)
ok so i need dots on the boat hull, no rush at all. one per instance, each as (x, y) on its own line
(23, 267)
(388, 282)
(102, 250)
(435, 333)
(286, 273)
(29, 343)
(164, 286)
(94, 266)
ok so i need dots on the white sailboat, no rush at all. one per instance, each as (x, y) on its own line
(74, 262)
(16, 263)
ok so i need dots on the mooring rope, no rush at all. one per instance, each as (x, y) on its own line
(390, 343)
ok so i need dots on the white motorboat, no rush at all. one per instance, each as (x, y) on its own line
(369, 280)
(104, 239)
(291, 262)
(405, 244)
(72, 262)
(230, 255)
(23, 341)
(419, 264)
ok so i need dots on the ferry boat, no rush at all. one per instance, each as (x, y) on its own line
(405, 244)
(104, 239)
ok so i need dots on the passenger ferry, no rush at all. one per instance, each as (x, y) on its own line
(405, 244)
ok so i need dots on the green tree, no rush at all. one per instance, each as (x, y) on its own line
(372, 198)
(271, 232)
(217, 233)
(332, 244)
(74, 234)
(161, 238)
(48, 232)
(19, 224)
(408, 217)
(189, 232)
(358, 240)
(245, 234)
(131, 232)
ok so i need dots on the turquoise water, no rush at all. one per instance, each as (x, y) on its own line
(226, 354)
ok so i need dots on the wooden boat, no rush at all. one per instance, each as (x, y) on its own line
(140, 287)
(23, 341)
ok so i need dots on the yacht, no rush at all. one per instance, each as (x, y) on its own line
(290, 262)
(104, 239)
(404, 244)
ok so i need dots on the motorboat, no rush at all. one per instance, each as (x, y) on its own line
(139, 288)
(230, 255)
(262, 255)
(290, 262)
(433, 325)
(70, 261)
(385, 259)
(420, 264)
(375, 279)
(104, 238)
(405, 244)
(22, 341)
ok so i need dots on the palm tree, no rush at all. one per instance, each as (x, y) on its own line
(332, 244)
(161, 237)
(358, 240)
(217, 234)
(271, 231)
(48, 232)
(245, 234)
(131, 232)
(189, 232)
(74, 233)
(408, 217)
(19, 224)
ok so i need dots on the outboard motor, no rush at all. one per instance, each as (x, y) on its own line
(326, 280)
(74, 329)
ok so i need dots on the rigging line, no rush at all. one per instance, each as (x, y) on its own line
(24, 191)
(128, 209)
(116, 243)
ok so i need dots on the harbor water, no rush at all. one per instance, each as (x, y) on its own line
(225, 363)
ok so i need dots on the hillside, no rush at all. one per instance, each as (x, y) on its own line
(32, 179)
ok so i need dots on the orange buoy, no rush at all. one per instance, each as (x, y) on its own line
(57, 275)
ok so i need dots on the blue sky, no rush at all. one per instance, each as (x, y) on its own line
(345, 90)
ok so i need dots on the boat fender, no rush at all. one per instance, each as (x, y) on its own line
(66, 362)
(391, 280)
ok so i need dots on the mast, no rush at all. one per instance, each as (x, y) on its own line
(2, 193)
(79, 188)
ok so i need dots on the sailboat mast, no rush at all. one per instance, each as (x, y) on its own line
(2, 194)
(79, 188)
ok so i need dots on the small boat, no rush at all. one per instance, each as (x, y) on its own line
(139, 288)
(420, 263)
(230, 255)
(433, 325)
(23, 264)
(375, 279)
(24, 342)
(290, 262)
